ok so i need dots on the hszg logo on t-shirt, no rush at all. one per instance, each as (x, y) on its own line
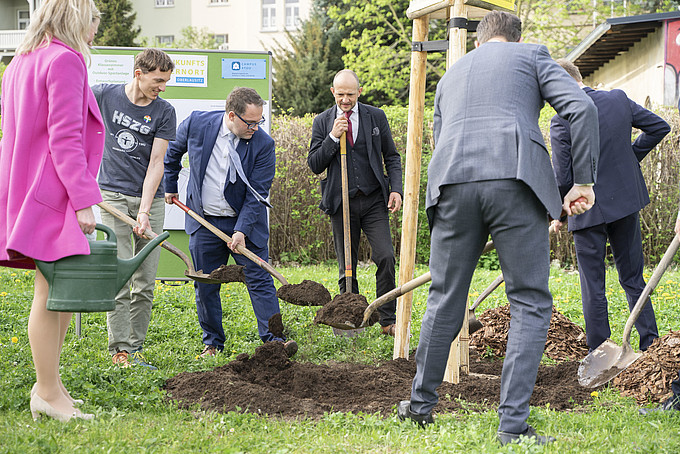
(126, 140)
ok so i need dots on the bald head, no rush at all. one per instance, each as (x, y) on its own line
(346, 89)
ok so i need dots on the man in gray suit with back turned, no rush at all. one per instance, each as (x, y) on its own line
(490, 174)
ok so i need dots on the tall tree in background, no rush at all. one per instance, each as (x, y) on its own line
(303, 72)
(378, 48)
(117, 26)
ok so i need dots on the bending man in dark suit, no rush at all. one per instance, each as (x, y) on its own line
(372, 194)
(231, 165)
(490, 174)
(620, 194)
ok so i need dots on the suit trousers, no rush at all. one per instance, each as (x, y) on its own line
(518, 223)
(626, 243)
(368, 213)
(128, 323)
(210, 252)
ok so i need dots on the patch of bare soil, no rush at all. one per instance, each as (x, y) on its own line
(649, 378)
(345, 309)
(306, 293)
(228, 273)
(269, 383)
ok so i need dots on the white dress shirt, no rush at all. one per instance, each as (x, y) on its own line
(354, 118)
(212, 192)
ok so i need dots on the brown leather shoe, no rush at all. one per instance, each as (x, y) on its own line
(388, 330)
(209, 350)
(291, 347)
(121, 359)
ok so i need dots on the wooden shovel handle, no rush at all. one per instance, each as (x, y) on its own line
(148, 234)
(227, 239)
(347, 239)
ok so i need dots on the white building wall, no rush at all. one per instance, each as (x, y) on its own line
(639, 71)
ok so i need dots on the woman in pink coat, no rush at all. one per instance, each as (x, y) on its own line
(50, 152)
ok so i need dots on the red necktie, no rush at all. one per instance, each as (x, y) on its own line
(350, 138)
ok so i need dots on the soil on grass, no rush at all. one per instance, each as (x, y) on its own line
(306, 293)
(228, 273)
(345, 309)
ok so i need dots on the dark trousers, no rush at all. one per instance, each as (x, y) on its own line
(208, 253)
(368, 213)
(518, 223)
(626, 243)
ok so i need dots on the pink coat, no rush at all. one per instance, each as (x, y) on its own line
(52, 143)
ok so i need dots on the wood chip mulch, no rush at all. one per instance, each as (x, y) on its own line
(649, 378)
(566, 340)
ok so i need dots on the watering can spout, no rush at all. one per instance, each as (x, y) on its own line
(126, 267)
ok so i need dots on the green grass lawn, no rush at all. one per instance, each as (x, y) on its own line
(132, 415)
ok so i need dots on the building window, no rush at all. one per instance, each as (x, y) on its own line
(268, 14)
(219, 2)
(292, 13)
(23, 18)
(164, 3)
(221, 39)
(165, 40)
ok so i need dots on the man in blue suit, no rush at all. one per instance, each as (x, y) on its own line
(231, 165)
(620, 193)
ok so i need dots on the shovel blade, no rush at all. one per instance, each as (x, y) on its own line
(604, 363)
(203, 278)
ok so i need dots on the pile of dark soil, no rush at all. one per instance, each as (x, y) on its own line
(566, 340)
(228, 273)
(346, 309)
(306, 293)
(649, 378)
(269, 383)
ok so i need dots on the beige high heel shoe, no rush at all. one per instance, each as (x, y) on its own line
(73, 401)
(39, 406)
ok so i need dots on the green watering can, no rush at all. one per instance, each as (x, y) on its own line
(89, 283)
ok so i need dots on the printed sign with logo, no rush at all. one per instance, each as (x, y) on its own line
(190, 71)
(244, 68)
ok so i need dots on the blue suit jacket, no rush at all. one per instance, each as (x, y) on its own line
(197, 135)
(620, 189)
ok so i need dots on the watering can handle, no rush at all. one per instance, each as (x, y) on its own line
(110, 236)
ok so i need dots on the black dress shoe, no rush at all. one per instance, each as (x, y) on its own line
(669, 405)
(528, 436)
(404, 412)
(291, 348)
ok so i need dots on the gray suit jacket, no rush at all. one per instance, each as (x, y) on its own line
(486, 122)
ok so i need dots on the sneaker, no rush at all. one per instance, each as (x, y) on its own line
(121, 359)
(137, 359)
(209, 350)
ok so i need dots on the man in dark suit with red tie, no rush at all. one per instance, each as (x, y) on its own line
(370, 152)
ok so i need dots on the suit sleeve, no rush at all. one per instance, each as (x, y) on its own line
(260, 179)
(173, 156)
(322, 149)
(391, 156)
(560, 142)
(575, 106)
(653, 128)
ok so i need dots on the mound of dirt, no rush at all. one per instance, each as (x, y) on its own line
(566, 340)
(306, 293)
(346, 309)
(270, 383)
(228, 273)
(649, 378)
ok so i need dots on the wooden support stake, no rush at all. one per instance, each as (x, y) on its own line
(414, 145)
(457, 48)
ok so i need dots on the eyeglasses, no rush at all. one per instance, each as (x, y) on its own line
(252, 125)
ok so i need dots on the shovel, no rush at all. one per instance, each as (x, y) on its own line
(608, 360)
(190, 272)
(424, 279)
(227, 239)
